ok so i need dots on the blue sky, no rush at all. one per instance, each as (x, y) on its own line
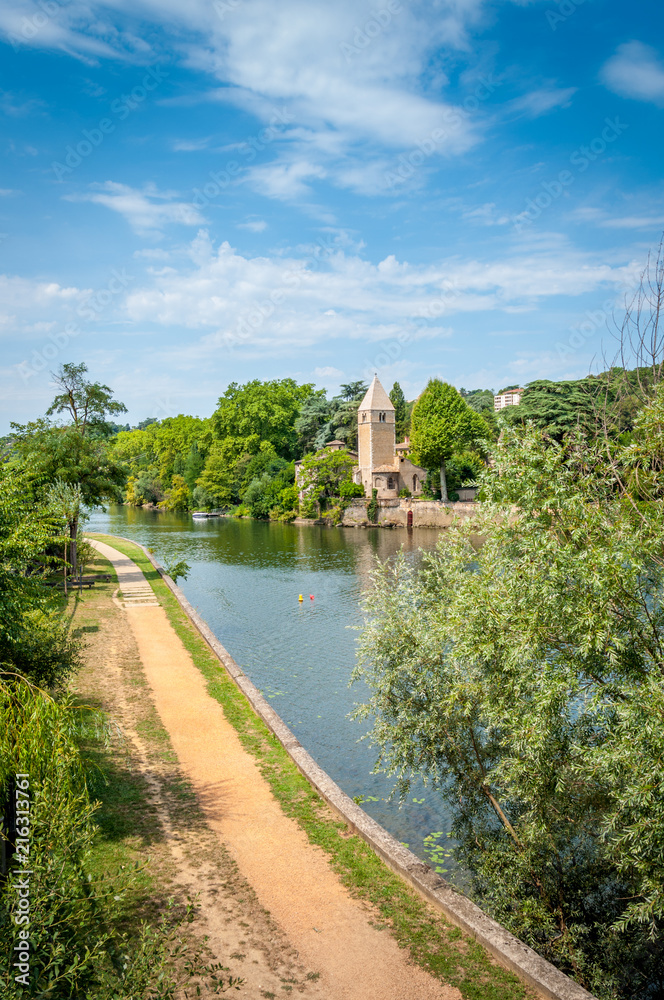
(200, 193)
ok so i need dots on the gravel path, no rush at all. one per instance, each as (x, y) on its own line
(330, 931)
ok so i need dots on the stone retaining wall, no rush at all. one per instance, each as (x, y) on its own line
(394, 513)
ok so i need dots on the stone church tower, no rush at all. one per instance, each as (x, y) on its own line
(375, 434)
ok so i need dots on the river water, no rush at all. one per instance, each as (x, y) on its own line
(245, 580)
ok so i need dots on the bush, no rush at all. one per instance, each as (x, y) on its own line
(43, 649)
(348, 489)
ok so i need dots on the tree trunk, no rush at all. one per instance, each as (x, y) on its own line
(443, 483)
(73, 538)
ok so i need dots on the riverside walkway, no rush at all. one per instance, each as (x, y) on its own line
(331, 931)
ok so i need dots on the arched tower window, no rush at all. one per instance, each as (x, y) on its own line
(415, 484)
(364, 417)
(381, 417)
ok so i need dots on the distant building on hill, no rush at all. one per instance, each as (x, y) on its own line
(510, 398)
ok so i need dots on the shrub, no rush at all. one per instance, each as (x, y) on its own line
(348, 489)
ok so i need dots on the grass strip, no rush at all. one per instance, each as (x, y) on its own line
(437, 946)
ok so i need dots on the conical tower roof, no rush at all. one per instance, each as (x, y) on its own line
(376, 397)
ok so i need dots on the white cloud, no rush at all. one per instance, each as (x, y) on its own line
(190, 145)
(285, 181)
(634, 222)
(541, 102)
(486, 215)
(146, 211)
(253, 225)
(328, 372)
(635, 71)
(276, 304)
(355, 84)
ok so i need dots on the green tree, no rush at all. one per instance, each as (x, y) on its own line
(353, 392)
(441, 424)
(524, 681)
(87, 403)
(263, 410)
(64, 453)
(325, 475)
(66, 501)
(77, 453)
(178, 496)
(314, 414)
(193, 466)
(400, 411)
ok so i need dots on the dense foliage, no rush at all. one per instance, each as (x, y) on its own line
(327, 476)
(264, 411)
(33, 635)
(524, 680)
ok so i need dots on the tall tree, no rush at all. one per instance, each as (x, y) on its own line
(398, 401)
(441, 424)
(314, 414)
(265, 411)
(353, 391)
(63, 453)
(66, 501)
(88, 403)
(75, 454)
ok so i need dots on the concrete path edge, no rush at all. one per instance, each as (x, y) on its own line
(511, 953)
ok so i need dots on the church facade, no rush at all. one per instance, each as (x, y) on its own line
(383, 464)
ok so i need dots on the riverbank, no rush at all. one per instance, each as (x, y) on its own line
(456, 965)
(400, 512)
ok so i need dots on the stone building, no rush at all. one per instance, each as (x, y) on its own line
(383, 464)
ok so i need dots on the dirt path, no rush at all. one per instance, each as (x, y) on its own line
(330, 931)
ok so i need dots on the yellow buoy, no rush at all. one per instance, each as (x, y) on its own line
(300, 598)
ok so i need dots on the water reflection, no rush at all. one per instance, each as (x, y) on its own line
(245, 580)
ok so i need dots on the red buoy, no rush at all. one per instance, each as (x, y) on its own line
(311, 597)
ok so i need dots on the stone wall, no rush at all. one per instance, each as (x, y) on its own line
(394, 513)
